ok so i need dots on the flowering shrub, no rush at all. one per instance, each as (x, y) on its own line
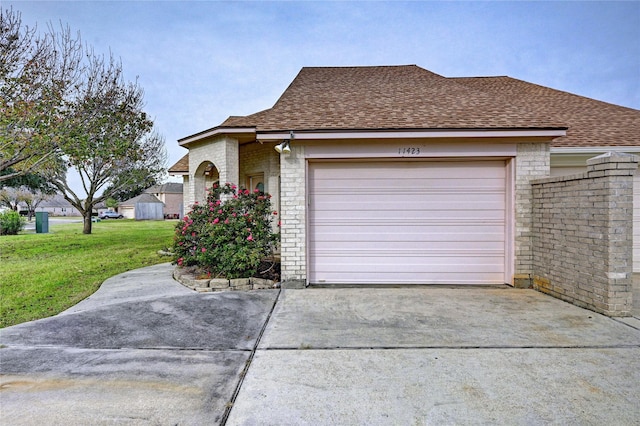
(229, 234)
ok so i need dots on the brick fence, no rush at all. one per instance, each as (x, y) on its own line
(582, 235)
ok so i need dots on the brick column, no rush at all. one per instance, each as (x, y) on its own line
(532, 162)
(583, 235)
(616, 171)
(293, 244)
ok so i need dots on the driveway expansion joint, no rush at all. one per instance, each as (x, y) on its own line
(391, 348)
(247, 365)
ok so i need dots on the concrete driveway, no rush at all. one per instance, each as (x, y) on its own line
(144, 350)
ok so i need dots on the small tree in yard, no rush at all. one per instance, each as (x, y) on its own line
(64, 108)
(229, 235)
(113, 146)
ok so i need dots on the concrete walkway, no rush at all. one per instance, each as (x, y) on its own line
(144, 350)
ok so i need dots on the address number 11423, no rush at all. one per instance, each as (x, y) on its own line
(409, 151)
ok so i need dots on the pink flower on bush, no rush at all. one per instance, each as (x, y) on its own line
(250, 237)
(180, 261)
(216, 220)
(204, 249)
(226, 221)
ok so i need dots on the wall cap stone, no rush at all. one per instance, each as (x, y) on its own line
(613, 157)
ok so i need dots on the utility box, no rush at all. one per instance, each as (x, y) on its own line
(42, 222)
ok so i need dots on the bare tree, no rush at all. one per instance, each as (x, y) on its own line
(37, 75)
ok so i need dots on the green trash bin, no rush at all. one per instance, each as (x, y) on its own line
(42, 222)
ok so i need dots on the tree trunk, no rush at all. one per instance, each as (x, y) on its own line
(87, 223)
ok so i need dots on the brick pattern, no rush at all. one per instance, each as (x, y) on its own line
(262, 158)
(293, 217)
(532, 161)
(582, 227)
(222, 151)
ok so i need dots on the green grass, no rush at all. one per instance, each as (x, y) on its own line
(44, 274)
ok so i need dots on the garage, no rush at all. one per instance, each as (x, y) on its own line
(407, 222)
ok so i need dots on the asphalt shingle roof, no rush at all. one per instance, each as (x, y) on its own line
(410, 97)
(181, 166)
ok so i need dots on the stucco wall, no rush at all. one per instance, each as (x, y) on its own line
(582, 235)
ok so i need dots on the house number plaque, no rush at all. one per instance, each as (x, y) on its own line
(409, 151)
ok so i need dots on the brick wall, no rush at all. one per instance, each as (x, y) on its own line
(293, 217)
(262, 158)
(222, 151)
(582, 235)
(532, 161)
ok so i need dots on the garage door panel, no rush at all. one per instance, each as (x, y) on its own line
(405, 185)
(401, 237)
(447, 276)
(479, 215)
(411, 222)
(445, 202)
(407, 264)
(410, 169)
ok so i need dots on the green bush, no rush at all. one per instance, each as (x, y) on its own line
(229, 235)
(11, 223)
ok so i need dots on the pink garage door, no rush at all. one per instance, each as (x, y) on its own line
(407, 222)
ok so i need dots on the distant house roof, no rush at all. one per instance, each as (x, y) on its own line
(142, 198)
(165, 188)
(410, 97)
(57, 201)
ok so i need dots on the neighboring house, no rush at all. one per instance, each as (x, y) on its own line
(57, 206)
(143, 207)
(398, 175)
(171, 195)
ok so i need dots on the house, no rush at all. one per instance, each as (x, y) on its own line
(170, 194)
(57, 206)
(394, 174)
(142, 207)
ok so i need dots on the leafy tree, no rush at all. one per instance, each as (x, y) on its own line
(146, 180)
(62, 107)
(111, 203)
(38, 73)
(112, 145)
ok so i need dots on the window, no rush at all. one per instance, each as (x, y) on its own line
(256, 181)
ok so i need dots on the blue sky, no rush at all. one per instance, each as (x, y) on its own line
(200, 62)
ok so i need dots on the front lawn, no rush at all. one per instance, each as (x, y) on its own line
(44, 274)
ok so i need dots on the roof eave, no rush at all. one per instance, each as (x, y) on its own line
(323, 134)
(217, 131)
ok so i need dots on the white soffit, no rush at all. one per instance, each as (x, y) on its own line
(411, 134)
(214, 132)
